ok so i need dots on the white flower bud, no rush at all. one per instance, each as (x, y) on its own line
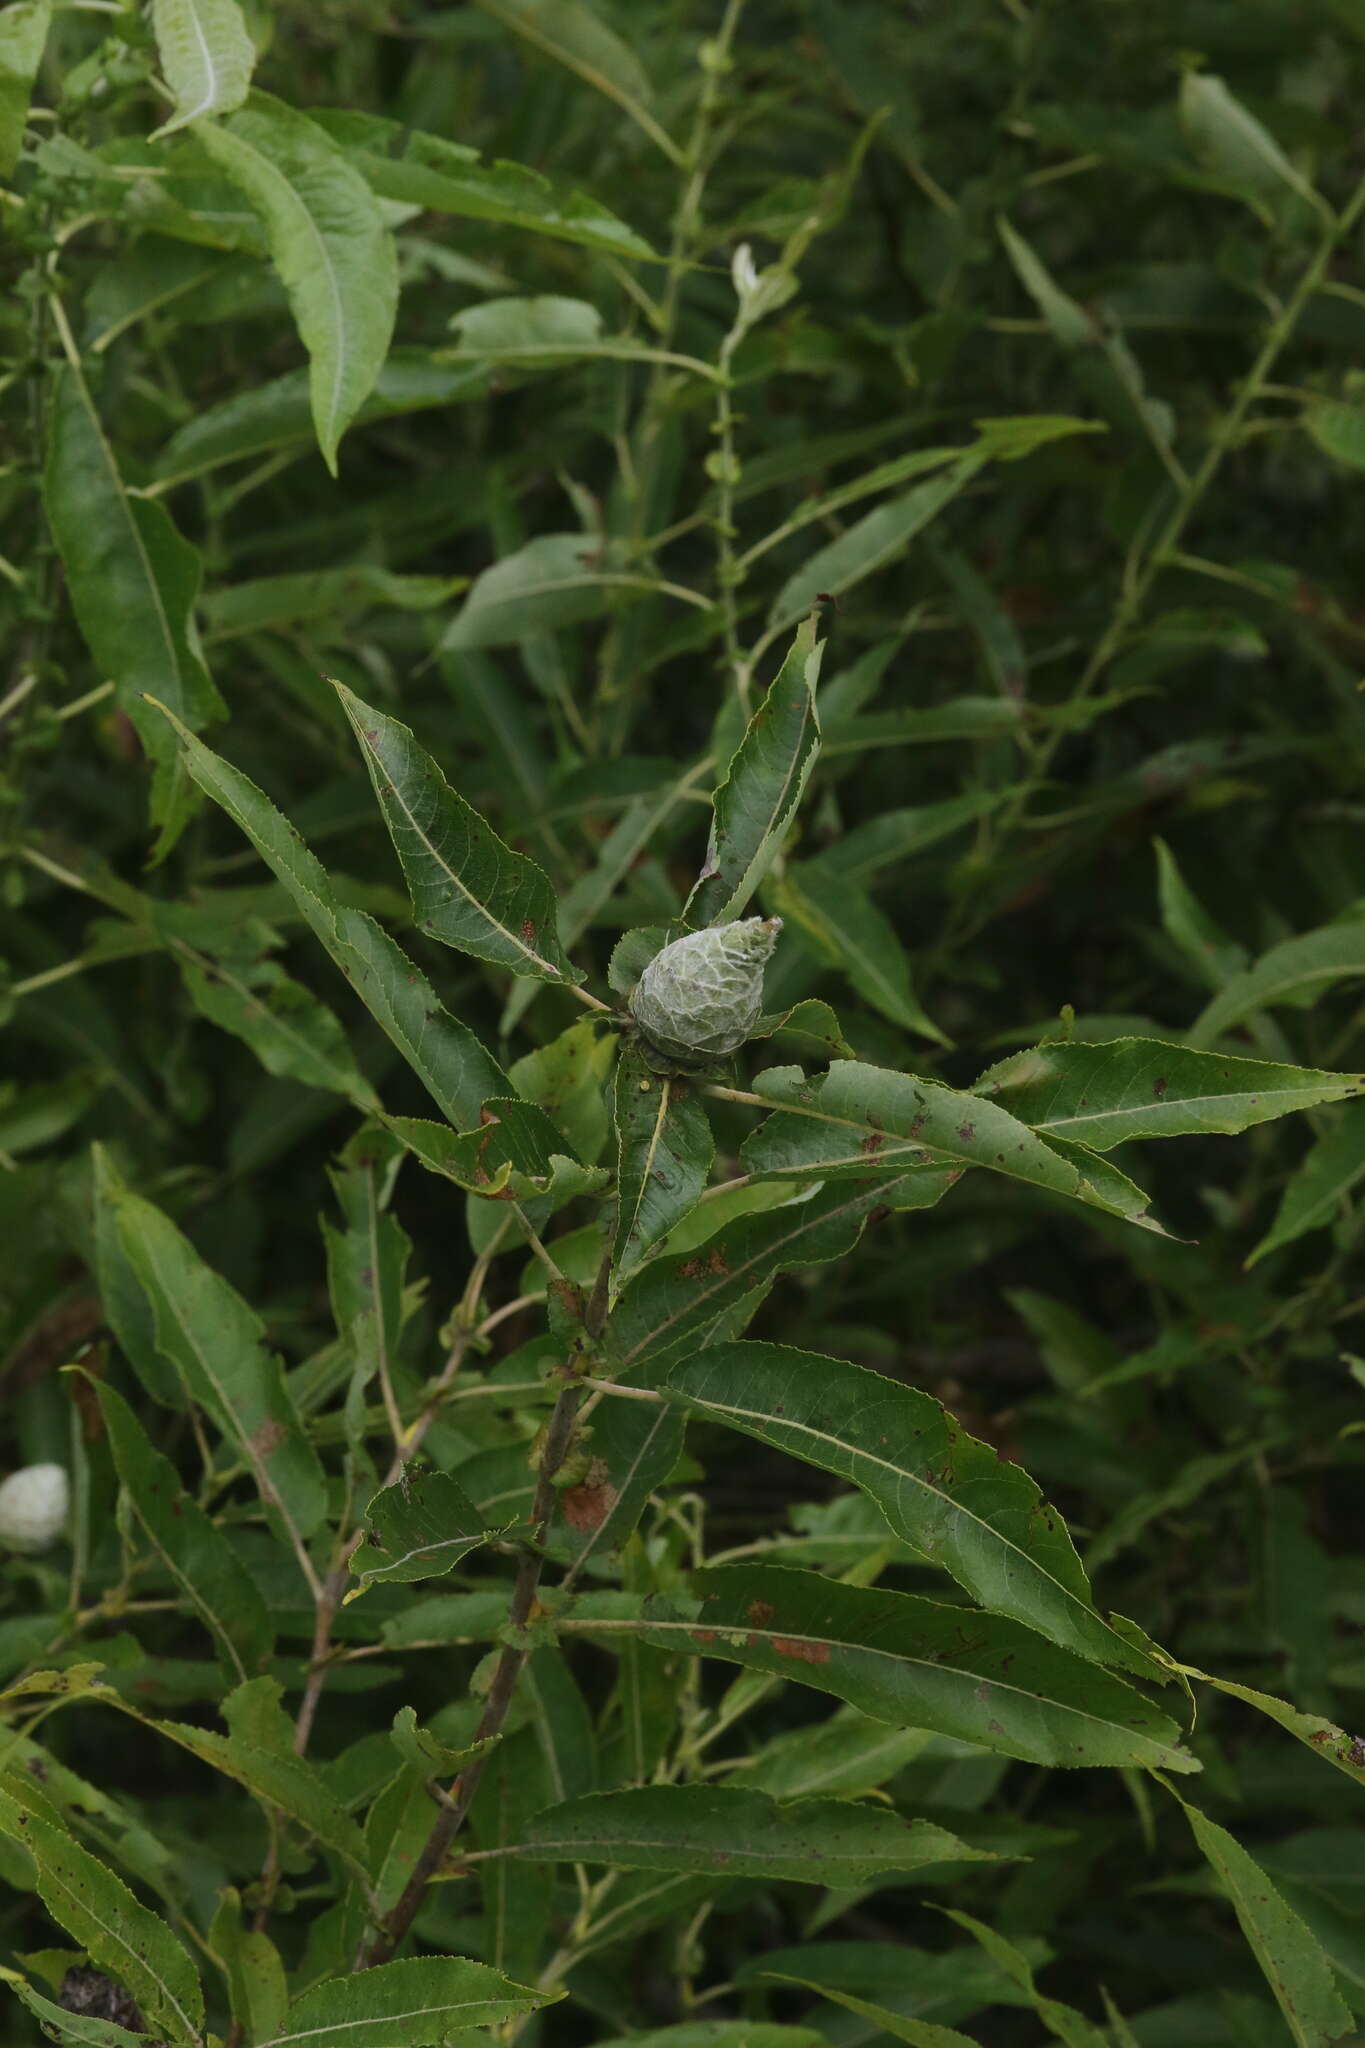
(701, 997)
(33, 1507)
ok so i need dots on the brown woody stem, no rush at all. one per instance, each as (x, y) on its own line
(511, 1662)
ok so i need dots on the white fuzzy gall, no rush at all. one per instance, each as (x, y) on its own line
(33, 1508)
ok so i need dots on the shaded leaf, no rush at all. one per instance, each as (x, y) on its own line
(255, 1973)
(871, 542)
(192, 1548)
(676, 1305)
(575, 35)
(757, 802)
(950, 1497)
(279, 414)
(1063, 2021)
(289, 1030)
(900, 2026)
(663, 1159)
(735, 1833)
(845, 928)
(418, 169)
(556, 580)
(468, 889)
(907, 1661)
(328, 242)
(1232, 144)
(445, 1055)
(1289, 1954)
(115, 1929)
(420, 2003)
(214, 1340)
(133, 584)
(1320, 1183)
(1296, 971)
(291, 1783)
(23, 36)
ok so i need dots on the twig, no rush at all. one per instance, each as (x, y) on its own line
(511, 1662)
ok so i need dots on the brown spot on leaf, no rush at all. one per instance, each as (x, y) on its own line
(805, 1653)
(267, 1438)
(760, 1612)
(587, 1505)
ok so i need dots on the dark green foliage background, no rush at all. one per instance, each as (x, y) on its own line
(1163, 618)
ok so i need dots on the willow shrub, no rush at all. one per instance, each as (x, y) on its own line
(831, 532)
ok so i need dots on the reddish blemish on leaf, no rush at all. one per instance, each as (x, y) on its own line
(760, 1612)
(586, 1507)
(1159, 1087)
(803, 1652)
(703, 1635)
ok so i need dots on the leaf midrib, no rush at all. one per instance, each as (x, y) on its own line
(840, 1643)
(1073, 1599)
(396, 796)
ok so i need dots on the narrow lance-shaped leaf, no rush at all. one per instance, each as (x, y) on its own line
(275, 1778)
(733, 1832)
(634, 1446)
(1287, 1950)
(844, 927)
(23, 35)
(1062, 2021)
(1296, 971)
(871, 542)
(255, 1972)
(418, 1529)
(674, 1306)
(941, 1490)
(1102, 1095)
(467, 887)
(420, 2003)
(1320, 1183)
(214, 1340)
(1233, 144)
(758, 800)
(133, 583)
(664, 1153)
(919, 2033)
(60, 2025)
(907, 1661)
(417, 169)
(856, 1107)
(192, 1548)
(284, 1024)
(329, 243)
(514, 1146)
(1345, 1752)
(206, 55)
(457, 1071)
(575, 36)
(116, 1930)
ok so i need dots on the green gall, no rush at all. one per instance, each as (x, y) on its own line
(701, 997)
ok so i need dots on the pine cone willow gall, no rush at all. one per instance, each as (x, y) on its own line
(701, 997)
